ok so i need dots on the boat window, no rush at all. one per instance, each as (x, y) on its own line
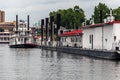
(1, 30)
(25, 25)
(61, 32)
(62, 39)
(79, 38)
(21, 39)
(71, 39)
(18, 39)
(4, 38)
(114, 38)
(106, 40)
(90, 39)
(76, 39)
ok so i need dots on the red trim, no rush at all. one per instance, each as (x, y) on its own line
(100, 24)
(113, 22)
(94, 25)
(72, 33)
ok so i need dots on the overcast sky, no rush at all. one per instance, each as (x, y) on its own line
(38, 9)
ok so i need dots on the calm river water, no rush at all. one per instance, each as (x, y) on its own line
(37, 64)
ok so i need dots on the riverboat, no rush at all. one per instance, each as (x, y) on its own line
(22, 37)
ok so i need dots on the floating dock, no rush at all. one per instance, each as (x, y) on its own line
(103, 54)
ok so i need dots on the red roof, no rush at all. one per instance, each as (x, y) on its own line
(71, 33)
(101, 24)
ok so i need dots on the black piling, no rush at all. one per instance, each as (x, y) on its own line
(51, 27)
(101, 16)
(58, 24)
(42, 24)
(46, 29)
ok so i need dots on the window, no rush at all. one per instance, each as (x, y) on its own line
(65, 39)
(106, 40)
(90, 39)
(18, 39)
(71, 39)
(114, 38)
(4, 38)
(1, 30)
(21, 39)
(76, 39)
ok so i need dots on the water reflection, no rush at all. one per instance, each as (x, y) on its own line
(37, 64)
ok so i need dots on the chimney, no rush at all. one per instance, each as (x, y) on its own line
(28, 23)
(16, 22)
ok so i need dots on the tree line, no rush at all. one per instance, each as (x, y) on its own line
(73, 18)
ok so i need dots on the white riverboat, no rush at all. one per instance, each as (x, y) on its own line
(22, 37)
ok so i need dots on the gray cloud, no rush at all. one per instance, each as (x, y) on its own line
(39, 9)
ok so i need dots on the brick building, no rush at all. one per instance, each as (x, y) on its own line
(2, 16)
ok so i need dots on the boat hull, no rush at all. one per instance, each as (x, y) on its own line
(112, 55)
(23, 46)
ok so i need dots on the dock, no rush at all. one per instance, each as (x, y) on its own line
(102, 54)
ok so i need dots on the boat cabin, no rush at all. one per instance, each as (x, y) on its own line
(71, 39)
(104, 36)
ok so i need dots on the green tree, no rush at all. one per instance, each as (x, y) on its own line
(116, 13)
(79, 16)
(70, 18)
(97, 9)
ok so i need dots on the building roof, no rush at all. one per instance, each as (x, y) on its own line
(71, 33)
(100, 24)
